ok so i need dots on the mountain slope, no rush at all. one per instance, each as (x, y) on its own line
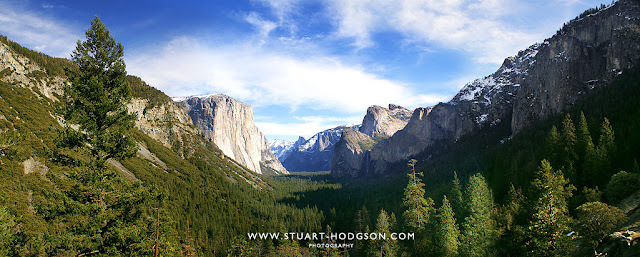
(199, 189)
(540, 81)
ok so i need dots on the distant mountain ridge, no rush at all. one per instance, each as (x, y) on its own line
(313, 154)
(282, 148)
(540, 81)
(317, 153)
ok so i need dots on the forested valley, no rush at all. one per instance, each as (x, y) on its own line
(79, 179)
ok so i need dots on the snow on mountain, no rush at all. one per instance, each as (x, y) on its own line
(314, 154)
(282, 148)
(484, 90)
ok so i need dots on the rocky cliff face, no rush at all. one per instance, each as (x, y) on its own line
(539, 81)
(383, 121)
(166, 123)
(228, 123)
(19, 70)
(315, 154)
(352, 151)
(587, 53)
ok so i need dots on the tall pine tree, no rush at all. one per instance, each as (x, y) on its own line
(417, 208)
(448, 233)
(382, 247)
(479, 229)
(552, 145)
(606, 150)
(568, 142)
(550, 219)
(457, 202)
(120, 222)
(586, 153)
(96, 97)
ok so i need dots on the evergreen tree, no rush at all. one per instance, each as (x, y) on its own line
(585, 151)
(382, 247)
(362, 226)
(568, 140)
(393, 222)
(606, 150)
(550, 221)
(329, 251)
(635, 169)
(96, 97)
(448, 233)
(552, 145)
(596, 220)
(510, 217)
(479, 229)
(418, 209)
(456, 198)
(95, 100)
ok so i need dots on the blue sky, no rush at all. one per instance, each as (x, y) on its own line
(303, 65)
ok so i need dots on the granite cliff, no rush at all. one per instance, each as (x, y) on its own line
(352, 151)
(540, 81)
(228, 123)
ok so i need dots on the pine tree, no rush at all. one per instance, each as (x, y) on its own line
(95, 100)
(550, 221)
(510, 217)
(456, 198)
(329, 251)
(418, 209)
(552, 145)
(585, 151)
(568, 142)
(479, 229)
(96, 97)
(448, 233)
(382, 247)
(606, 150)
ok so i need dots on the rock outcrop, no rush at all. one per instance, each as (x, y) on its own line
(352, 152)
(166, 122)
(19, 70)
(587, 53)
(540, 81)
(383, 121)
(228, 123)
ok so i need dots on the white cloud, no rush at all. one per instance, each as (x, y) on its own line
(186, 66)
(37, 32)
(264, 27)
(283, 10)
(476, 27)
(306, 127)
